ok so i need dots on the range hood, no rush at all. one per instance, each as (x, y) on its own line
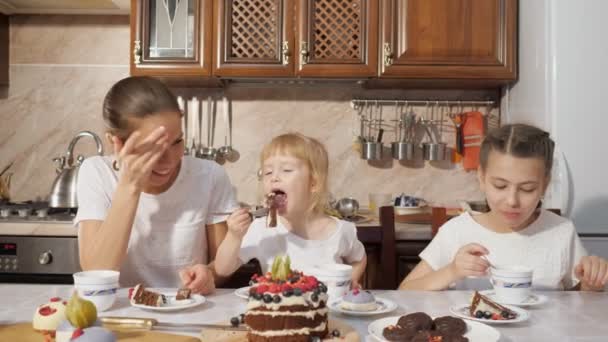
(119, 7)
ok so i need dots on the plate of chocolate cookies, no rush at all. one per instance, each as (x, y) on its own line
(419, 326)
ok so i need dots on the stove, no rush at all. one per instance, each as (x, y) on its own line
(38, 244)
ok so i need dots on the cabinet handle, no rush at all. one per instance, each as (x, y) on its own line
(285, 52)
(388, 55)
(304, 52)
(137, 52)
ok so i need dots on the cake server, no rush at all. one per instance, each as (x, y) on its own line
(153, 324)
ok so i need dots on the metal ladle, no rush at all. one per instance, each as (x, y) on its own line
(226, 151)
(209, 152)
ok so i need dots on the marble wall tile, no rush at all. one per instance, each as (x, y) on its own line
(69, 39)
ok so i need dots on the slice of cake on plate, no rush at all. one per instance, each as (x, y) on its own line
(286, 305)
(183, 294)
(140, 295)
(358, 300)
(484, 307)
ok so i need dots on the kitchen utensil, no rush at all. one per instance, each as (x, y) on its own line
(226, 150)
(347, 207)
(403, 150)
(209, 152)
(432, 150)
(153, 324)
(182, 107)
(372, 151)
(63, 191)
(261, 212)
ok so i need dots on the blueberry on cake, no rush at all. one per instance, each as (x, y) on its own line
(286, 305)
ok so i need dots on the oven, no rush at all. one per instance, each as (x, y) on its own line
(37, 245)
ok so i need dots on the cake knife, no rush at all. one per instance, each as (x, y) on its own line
(153, 324)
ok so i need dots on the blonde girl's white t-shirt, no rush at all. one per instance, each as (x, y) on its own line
(550, 246)
(263, 243)
(169, 228)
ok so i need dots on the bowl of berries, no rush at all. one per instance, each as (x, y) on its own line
(407, 205)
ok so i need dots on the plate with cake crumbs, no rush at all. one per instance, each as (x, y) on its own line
(377, 307)
(463, 311)
(242, 292)
(533, 300)
(154, 299)
(386, 329)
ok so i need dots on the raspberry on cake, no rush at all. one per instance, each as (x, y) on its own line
(286, 305)
(359, 300)
(47, 317)
(484, 307)
(140, 295)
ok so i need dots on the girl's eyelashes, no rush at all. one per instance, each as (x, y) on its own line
(178, 141)
(529, 190)
(500, 186)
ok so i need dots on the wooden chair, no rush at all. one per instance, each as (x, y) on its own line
(381, 239)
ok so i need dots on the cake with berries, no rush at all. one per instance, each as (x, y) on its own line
(358, 300)
(47, 317)
(484, 308)
(142, 296)
(286, 305)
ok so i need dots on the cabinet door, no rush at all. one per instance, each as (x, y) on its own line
(253, 38)
(446, 39)
(171, 37)
(337, 38)
(4, 42)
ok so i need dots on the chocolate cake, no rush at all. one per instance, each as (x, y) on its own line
(416, 321)
(271, 203)
(140, 295)
(183, 294)
(449, 324)
(286, 305)
(484, 307)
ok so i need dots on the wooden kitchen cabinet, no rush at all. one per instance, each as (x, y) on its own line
(449, 39)
(4, 43)
(171, 37)
(253, 38)
(337, 38)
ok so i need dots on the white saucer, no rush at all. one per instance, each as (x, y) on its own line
(476, 332)
(535, 299)
(462, 311)
(383, 306)
(242, 292)
(172, 304)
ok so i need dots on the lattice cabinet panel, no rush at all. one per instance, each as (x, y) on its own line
(338, 37)
(171, 37)
(254, 34)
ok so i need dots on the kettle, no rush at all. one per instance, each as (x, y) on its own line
(63, 191)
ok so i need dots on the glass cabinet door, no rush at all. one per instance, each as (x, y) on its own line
(171, 37)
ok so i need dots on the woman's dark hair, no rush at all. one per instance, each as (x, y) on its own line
(135, 97)
(519, 140)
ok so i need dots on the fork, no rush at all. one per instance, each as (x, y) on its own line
(261, 212)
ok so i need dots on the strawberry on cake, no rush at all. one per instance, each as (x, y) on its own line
(286, 305)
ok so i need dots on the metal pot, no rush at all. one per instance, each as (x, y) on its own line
(433, 151)
(347, 207)
(403, 150)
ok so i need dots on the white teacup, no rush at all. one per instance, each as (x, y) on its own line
(98, 286)
(512, 284)
(337, 278)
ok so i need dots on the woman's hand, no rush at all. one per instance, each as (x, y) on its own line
(238, 222)
(137, 157)
(592, 271)
(198, 278)
(468, 261)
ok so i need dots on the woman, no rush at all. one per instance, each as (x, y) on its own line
(147, 210)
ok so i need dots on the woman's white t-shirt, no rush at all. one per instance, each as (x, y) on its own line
(549, 245)
(169, 228)
(263, 243)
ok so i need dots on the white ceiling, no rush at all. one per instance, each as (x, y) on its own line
(64, 6)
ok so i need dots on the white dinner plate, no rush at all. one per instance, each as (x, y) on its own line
(242, 292)
(383, 306)
(462, 311)
(535, 299)
(476, 332)
(172, 304)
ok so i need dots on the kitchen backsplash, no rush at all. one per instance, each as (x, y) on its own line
(62, 66)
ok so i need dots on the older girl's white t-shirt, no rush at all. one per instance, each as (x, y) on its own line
(550, 246)
(169, 228)
(263, 243)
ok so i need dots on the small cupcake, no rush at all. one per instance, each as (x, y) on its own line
(358, 300)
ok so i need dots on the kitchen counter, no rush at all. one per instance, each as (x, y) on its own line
(38, 228)
(567, 316)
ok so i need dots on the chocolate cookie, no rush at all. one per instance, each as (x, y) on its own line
(450, 325)
(396, 333)
(416, 321)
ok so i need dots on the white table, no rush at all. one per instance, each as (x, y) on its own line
(567, 316)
